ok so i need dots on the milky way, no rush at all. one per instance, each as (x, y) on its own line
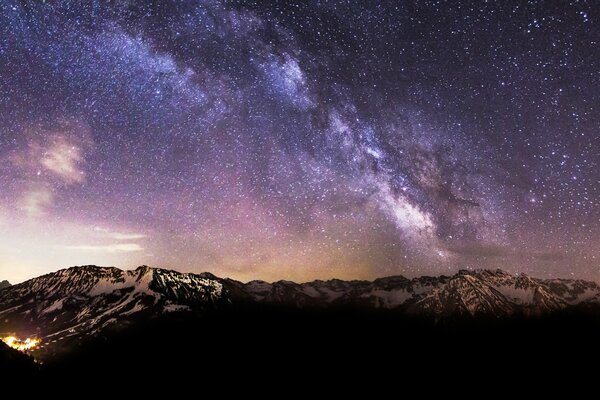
(300, 140)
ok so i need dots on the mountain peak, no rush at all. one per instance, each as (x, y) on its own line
(207, 275)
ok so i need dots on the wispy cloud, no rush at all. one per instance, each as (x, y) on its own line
(108, 233)
(108, 248)
(45, 162)
(127, 236)
(63, 159)
(35, 201)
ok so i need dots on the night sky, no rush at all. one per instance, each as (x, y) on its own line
(300, 140)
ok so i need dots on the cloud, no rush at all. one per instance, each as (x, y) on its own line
(44, 163)
(127, 236)
(53, 156)
(102, 234)
(35, 201)
(63, 159)
(108, 248)
(107, 233)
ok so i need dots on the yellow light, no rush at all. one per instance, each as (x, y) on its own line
(21, 345)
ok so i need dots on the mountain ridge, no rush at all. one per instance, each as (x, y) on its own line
(81, 302)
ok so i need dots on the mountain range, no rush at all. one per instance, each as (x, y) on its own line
(98, 322)
(79, 302)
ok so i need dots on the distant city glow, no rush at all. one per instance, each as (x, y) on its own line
(22, 345)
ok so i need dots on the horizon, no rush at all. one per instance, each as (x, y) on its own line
(321, 140)
(245, 281)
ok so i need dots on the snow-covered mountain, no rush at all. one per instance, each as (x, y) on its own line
(467, 293)
(82, 301)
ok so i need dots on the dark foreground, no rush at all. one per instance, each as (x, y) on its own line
(345, 349)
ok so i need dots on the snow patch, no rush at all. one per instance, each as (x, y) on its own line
(56, 306)
(175, 307)
(389, 299)
(517, 295)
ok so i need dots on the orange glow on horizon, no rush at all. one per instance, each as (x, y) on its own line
(21, 345)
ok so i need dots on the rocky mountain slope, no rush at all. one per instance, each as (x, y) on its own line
(4, 284)
(80, 302)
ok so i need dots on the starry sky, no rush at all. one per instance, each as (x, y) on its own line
(300, 139)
